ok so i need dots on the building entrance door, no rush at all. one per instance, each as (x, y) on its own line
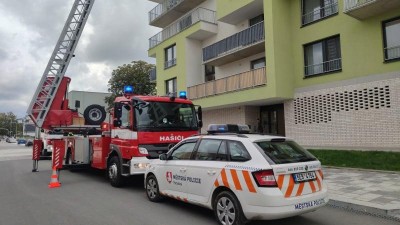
(272, 119)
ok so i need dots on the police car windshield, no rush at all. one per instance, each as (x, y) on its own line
(166, 116)
(281, 152)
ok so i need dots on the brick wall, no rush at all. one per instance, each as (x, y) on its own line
(357, 116)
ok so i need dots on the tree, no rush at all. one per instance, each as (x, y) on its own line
(135, 74)
(8, 123)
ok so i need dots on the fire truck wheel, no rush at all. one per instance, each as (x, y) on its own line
(227, 209)
(94, 114)
(152, 191)
(114, 172)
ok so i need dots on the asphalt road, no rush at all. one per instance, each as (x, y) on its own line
(87, 198)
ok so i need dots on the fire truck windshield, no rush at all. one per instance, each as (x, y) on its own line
(166, 116)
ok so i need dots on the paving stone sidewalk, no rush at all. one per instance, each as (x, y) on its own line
(369, 191)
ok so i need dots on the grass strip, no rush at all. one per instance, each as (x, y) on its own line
(376, 160)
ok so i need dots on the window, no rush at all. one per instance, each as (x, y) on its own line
(211, 150)
(391, 34)
(282, 151)
(237, 151)
(313, 10)
(257, 64)
(183, 152)
(170, 56)
(170, 87)
(126, 116)
(256, 20)
(322, 56)
(209, 73)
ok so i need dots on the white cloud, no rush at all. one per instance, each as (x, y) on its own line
(117, 32)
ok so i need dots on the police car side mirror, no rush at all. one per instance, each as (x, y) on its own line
(163, 156)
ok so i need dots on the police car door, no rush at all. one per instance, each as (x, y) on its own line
(207, 163)
(172, 173)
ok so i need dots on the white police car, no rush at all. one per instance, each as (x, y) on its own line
(239, 176)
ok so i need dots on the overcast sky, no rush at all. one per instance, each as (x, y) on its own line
(117, 32)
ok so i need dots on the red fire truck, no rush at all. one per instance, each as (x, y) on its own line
(139, 129)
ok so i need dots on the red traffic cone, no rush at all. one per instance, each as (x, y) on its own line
(54, 179)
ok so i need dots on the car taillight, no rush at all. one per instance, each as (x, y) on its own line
(265, 178)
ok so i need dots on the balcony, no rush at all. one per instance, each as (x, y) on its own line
(240, 45)
(320, 13)
(199, 14)
(153, 75)
(170, 10)
(324, 67)
(364, 9)
(392, 53)
(238, 82)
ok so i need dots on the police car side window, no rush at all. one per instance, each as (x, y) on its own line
(183, 152)
(208, 149)
(237, 151)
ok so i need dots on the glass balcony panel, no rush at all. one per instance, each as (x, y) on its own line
(199, 14)
(170, 10)
(364, 9)
(241, 40)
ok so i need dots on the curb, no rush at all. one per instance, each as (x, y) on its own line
(368, 210)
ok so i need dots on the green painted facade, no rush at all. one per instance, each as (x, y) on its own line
(361, 44)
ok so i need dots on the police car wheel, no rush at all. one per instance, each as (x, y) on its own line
(152, 190)
(227, 209)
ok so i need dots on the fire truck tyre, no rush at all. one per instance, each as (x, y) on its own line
(227, 209)
(152, 191)
(114, 172)
(94, 114)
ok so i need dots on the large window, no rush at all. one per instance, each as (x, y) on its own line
(170, 87)
(322, 56)
(391, 33)
(313, 10)
(256, 20)
(170, 56)
(209, 73)
(257, 64)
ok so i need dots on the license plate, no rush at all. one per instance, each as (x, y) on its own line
(302, 177)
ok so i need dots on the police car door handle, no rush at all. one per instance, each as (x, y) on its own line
(211, 172)
(182, 169)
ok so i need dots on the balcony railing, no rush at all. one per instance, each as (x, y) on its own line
(249, 79)
(153, 75)
(320, 13)
(324, 67)
(352, 4)
(169, 63)
(162, 8)
(199, 14)
(249, 36)
(392, 53)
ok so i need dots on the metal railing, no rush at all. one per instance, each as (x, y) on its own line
(162, 8)
(169, 63)
(351, 4)
(237, 82)
(199, 14)
(324, 67)
(249, 36)
(392, 53)
(320, 13)
(153, 74)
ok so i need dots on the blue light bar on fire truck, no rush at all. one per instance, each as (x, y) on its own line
(182, 94)
(128, 89)
(228, 128)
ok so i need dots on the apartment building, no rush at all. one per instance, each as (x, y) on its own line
(325, 72)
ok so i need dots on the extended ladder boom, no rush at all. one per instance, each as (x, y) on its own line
(59, 61)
